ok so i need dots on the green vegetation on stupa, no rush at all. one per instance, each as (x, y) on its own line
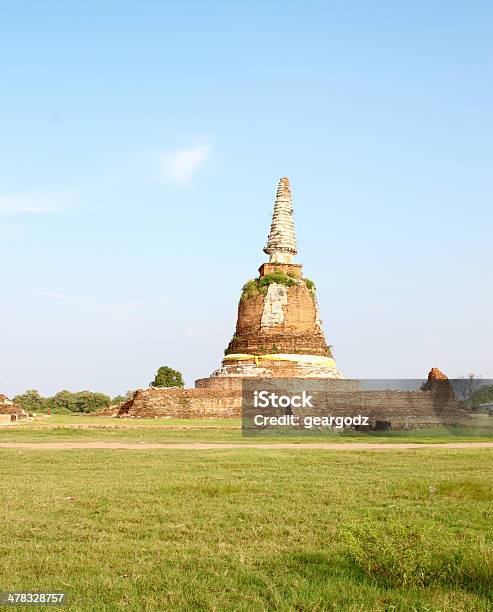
(259, 286)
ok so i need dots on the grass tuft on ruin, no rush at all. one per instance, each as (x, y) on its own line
(259, 286)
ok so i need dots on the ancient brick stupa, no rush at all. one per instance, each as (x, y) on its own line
(278, 334)
(278, 331)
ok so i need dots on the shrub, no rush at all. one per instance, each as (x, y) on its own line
(250, 289)
(482, 396)
(80, 401)
(276, 277)
(310, 284)
(421, 555)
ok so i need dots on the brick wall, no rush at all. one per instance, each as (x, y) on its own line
(184, 403)
(293, 270)
(399, 407)
(342, 398)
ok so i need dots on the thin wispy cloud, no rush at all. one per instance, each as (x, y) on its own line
(180, 166)
(18, 204)
(64, 297)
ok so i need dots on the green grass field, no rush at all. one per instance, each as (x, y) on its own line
(72, 428)
(244, 529)
(249, 529)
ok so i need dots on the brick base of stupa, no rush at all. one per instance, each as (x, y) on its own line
(232, 372)
(221, 397)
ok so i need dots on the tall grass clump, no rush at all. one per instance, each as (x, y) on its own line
(399, 554)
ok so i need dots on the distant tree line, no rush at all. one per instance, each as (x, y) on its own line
(68, 401)
(90, 401)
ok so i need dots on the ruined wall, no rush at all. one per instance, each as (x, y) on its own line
(398, 407)
(401, 408)
(184, 403)
(8, 407)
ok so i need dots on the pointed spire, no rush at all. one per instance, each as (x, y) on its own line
(281, 244)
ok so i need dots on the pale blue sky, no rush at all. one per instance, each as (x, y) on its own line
(140, 148)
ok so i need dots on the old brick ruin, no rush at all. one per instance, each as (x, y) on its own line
(434, 405)
(279, 336)
(183, 403)
(10, 411)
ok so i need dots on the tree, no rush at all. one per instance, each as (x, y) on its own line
(484, 395)
(167, 377)
(31, 401)
(121, 399)
(90, 401)
(465, 388)
(62, 401)
(81, 401)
